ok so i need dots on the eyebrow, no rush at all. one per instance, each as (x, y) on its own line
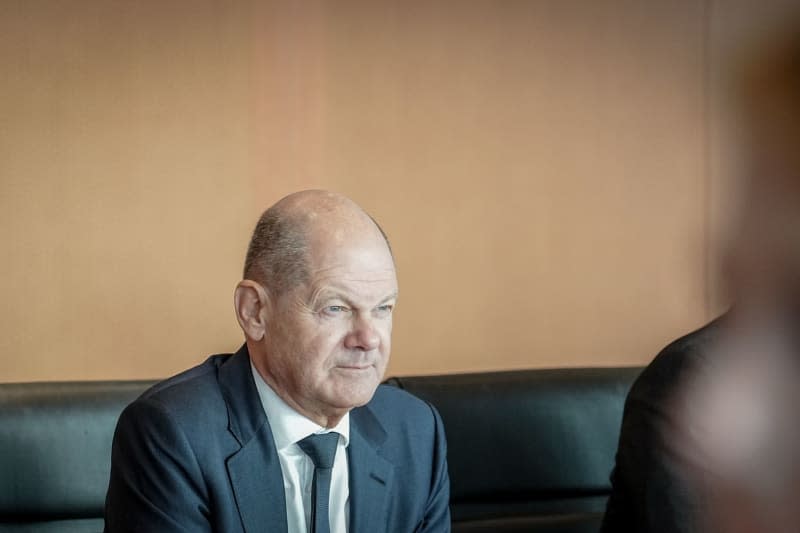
(392, 296)
(329, 294)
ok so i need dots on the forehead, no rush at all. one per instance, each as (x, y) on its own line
(365, 267)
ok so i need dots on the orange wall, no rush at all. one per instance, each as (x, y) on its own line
(541, 168)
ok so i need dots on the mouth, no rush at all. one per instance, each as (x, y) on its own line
(354, 368)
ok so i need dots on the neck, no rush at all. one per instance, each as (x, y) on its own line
(326, 418)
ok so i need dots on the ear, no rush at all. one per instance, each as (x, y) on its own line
(252, 305)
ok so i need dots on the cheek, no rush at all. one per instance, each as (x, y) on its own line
(385, 349)
(285, 347)
(298, 344)
(386, 334)
(323, 342)
(386, 339)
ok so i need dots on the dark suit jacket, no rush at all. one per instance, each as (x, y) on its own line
(195, 453)
(650, 489)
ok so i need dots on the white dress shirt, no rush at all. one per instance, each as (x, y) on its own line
(288, 427)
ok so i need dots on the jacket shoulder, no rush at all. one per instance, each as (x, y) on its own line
(193, 393)
(394, 400)
(678, 361)
(401, 412)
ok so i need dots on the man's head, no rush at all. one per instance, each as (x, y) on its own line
(765, 259)
(316, 303)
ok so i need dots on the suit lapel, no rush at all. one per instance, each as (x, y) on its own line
(254, 470)
(257, 482)
(371, 475)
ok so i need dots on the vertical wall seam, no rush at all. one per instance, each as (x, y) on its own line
(706, 163)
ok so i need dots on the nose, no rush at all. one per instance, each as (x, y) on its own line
(362, 336)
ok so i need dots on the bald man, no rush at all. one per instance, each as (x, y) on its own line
(292, 433)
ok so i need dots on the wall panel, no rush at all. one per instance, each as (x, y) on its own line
(540, 167)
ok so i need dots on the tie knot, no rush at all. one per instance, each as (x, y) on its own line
(320, 448)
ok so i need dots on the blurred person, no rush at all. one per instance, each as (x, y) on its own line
(292, 433)
(740, 415)
(710, 440)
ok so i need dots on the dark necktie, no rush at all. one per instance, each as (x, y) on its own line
(322, 450)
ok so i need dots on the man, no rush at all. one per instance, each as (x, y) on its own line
(709, 434)
(293, 432)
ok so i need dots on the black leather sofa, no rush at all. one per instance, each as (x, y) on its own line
(528, 450)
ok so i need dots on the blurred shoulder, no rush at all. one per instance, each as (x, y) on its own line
(678, 362)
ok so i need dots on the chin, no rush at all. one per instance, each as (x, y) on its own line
(351, 395)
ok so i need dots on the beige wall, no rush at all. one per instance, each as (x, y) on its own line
(542, 169)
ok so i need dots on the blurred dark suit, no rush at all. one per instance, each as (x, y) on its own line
(650, 489)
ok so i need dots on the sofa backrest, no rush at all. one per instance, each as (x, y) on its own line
(535, 445)
(55, 452)
(524, 447)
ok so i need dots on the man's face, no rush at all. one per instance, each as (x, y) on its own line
(328, 341)
(768, 251)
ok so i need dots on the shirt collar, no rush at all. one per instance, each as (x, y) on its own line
(288, 426)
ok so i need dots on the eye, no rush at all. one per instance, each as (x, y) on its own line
(384, 310)
(334, 310)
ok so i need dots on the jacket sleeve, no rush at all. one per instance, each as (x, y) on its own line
(156, 483)
(437, 512)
